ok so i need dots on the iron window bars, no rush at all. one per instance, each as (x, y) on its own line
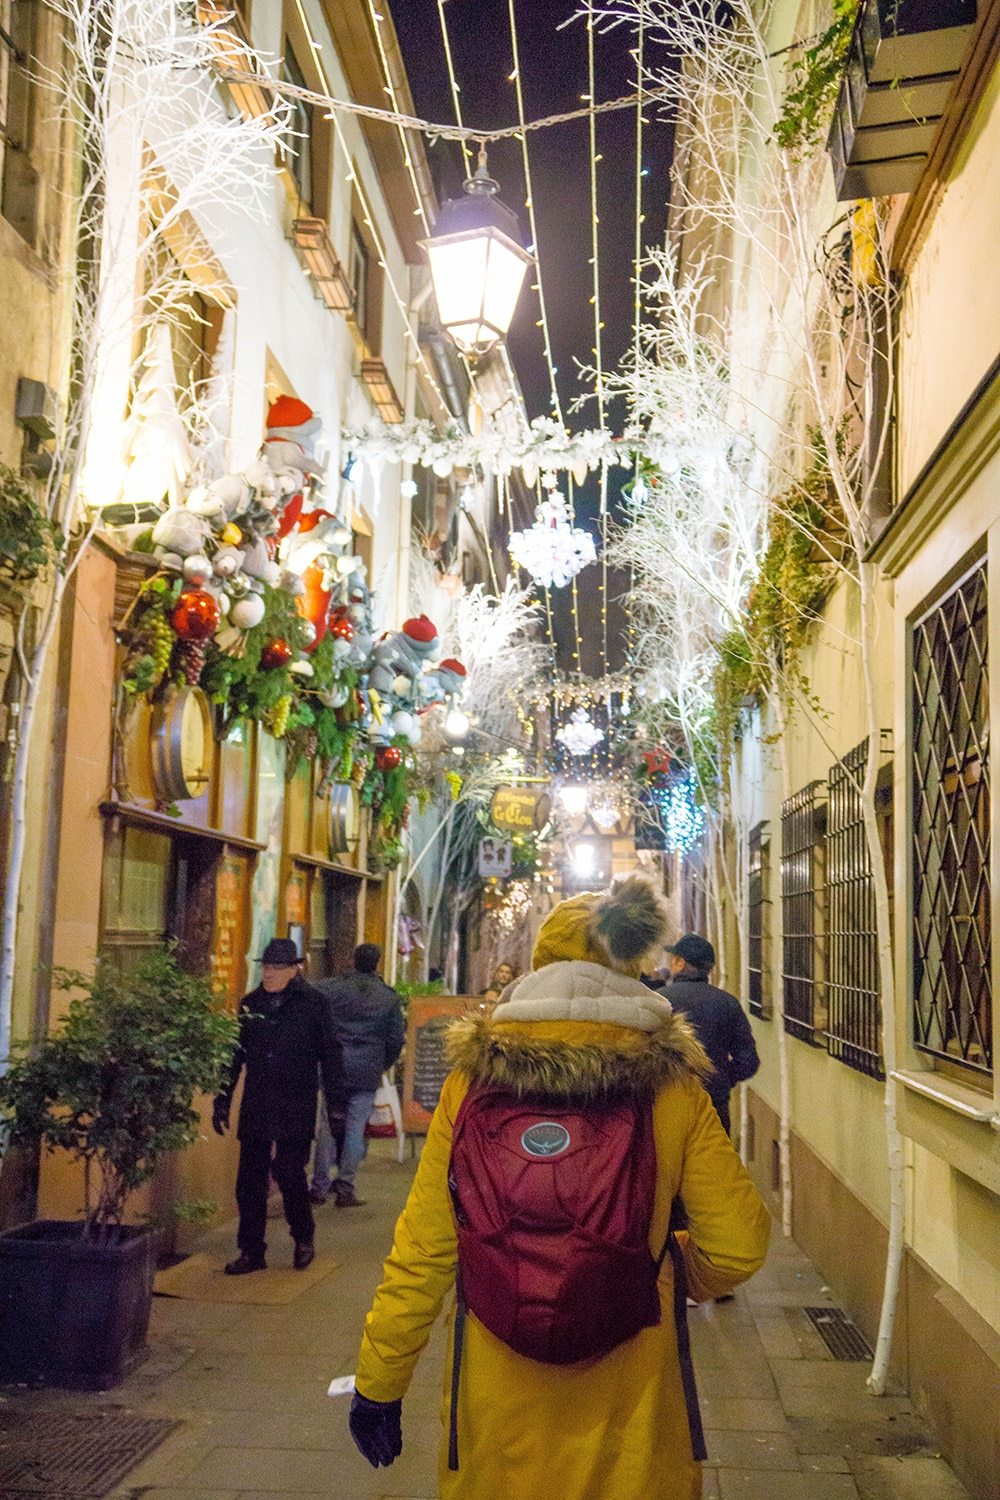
(758, 870)
(803, 825)
(854, 1019)
(952, 991)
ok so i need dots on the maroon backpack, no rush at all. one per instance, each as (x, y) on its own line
(553, 1203)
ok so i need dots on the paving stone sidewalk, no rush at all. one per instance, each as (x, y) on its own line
(784, 1420)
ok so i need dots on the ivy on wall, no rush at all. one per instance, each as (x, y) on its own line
(815, 75)
(796, 572)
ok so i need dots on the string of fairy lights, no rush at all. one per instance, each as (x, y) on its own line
(670, 804)
(595, 261)
(370, 221)
(637, 257)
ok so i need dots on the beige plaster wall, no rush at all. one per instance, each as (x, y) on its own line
(951, 298)
(836, 1111)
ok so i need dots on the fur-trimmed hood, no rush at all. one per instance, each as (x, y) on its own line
(576, 1030)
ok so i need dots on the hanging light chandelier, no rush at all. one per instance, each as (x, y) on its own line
(552, 549)
(580, 735)
(477, 263)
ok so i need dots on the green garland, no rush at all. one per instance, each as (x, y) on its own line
(287, 704)
(815, 81)
(794, 579)
(244, 688)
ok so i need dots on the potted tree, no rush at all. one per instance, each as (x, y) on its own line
(114, 1086)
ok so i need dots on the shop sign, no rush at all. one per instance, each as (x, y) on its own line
(496, 858)
(520, 809)
(426, 1063)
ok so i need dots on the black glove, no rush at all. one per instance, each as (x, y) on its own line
(377, 1429)
(220, 1117)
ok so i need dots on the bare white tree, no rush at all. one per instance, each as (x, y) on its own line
(819, 285)
(495, 637)
(693, 544)
(160, 156)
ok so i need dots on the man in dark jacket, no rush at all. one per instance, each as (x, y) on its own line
(286, 1039)
(368, 1019)
(717, 1017)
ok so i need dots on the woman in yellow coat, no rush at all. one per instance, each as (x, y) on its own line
(580, 1027)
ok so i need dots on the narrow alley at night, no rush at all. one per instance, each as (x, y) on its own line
(497, 503)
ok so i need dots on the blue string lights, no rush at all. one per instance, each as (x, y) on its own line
(669, 815)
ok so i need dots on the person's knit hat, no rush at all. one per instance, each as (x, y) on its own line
(696, 951)
(615, 928)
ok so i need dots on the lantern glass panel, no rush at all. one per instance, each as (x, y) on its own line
(507, 265)
(459, 269)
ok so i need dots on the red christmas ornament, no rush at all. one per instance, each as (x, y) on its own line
(387, 757)
(196, 615)
(275, 654)
(340, 625)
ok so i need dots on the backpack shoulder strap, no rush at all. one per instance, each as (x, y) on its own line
(671, 1246)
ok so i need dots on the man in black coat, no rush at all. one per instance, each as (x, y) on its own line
(717, 1017)
(367, 1017)
(286, 1039)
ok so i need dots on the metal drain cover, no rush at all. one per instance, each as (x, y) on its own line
(75, 1457)
(843, 1338)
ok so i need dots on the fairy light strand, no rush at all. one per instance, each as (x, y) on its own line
(640, 60)
(595, 225)
(390, 87)
(595, 252)
(455, 89)
(577, 642)
(369, 219)
(530, 206)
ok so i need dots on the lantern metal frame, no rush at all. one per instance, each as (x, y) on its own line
(478, 216)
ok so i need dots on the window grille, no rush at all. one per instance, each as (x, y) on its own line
(952, 992)
(759, 874)
(853, 1021)
(803, 822)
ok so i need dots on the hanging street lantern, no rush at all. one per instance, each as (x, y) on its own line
(477, 264)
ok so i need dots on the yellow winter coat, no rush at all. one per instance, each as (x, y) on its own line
(614, 1428)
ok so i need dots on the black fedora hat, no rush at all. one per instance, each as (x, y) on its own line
(281, 952)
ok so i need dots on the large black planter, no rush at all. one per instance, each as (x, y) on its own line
(73, 1312)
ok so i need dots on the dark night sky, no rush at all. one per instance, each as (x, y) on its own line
(554, 75)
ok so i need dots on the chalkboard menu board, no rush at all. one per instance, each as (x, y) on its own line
(426, 1068)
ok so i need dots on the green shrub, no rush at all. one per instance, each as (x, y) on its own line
(115, 1084)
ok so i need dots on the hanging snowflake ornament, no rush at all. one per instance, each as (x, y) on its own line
(579, 735)
(552, 549)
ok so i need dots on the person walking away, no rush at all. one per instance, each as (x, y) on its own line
(367, 1017)
(286, 1039)
(570, 1132)
(718, 1018)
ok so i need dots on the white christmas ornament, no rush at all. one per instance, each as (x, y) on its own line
(248, 612)
(579, 735)
(197, 569)
(552, 550)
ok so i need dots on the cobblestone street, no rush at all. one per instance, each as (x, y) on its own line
(784, 1420)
